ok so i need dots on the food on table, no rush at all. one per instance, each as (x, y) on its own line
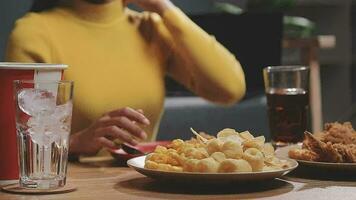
(255, 158)
(337, 144)
(229, 152)
(234, 165)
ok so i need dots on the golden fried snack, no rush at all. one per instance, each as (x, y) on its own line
(158, 157)
(160, 149)
(246, 135)
(268, 149)
(232, 149)
(196, 153)
(191, 165)
(274, 163)
(229, 152)
(234, 165)
(176, 169)
(255, 158)
(164, 167)
(151, 165)
(207, 165)
(177, 144)
(175, 159)
(218, 156)
(184, 148)
(257, 143)
(226, 132)
(229, 135)
(213, 145)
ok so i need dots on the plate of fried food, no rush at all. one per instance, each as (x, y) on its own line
(333, 148)
(228, 157)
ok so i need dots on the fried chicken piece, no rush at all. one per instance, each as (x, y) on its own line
(339, 133)
(348, 152)
(337, 143)
(303, 154)
(330, 154)
(325, 151)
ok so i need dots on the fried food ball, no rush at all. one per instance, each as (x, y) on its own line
(164, 167)
(174, 159)
(275, 163)
(184, 147)
(207, 165)
(257, 143)
(158, 157)
(176, 169)
(255, 158)
(232, 149)
(190, 165)
(151, 165)
(226, 132)
(268, 149)
(234, 165)
(234, 138)
(246, 135)
(214, 145)
(176, 144)
(196, 153)
(218, 156)
(160, 149)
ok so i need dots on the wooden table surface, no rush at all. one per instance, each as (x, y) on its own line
(107, 181)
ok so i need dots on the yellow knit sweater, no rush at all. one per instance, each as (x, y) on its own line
(118, 57)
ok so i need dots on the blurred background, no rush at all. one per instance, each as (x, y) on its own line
(259, 33)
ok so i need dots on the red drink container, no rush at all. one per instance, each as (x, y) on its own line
(8, 73)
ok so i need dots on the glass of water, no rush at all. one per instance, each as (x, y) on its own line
(43, 123)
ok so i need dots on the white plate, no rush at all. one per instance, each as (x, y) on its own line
(283, 153)
(139, 162)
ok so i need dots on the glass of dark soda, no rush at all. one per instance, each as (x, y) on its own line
(287, 94)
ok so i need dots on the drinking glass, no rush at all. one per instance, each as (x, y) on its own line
(43, 123)
(287, 94)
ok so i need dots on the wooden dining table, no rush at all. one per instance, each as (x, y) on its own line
(108, 180)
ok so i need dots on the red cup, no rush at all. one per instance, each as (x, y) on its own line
(8, 73)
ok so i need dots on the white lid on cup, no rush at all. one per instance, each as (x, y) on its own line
(29, 66)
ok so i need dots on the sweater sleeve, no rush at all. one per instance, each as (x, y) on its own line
(201, 63)
(29, 41)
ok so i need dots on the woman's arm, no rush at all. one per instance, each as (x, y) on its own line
(196, 59)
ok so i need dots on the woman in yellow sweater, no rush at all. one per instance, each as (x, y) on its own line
(118, 59)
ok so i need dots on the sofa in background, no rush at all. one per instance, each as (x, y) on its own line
(181, 113)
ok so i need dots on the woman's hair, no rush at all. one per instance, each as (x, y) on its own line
(41, 5)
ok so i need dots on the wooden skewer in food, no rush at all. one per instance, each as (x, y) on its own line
(204, 140)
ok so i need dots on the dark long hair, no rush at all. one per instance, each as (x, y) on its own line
(41, 5)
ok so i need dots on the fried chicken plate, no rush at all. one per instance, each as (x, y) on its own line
(337, 144)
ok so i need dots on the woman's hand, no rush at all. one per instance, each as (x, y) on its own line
(158, 6)
(122, 124)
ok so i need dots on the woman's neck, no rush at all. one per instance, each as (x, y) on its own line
(101, 11)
